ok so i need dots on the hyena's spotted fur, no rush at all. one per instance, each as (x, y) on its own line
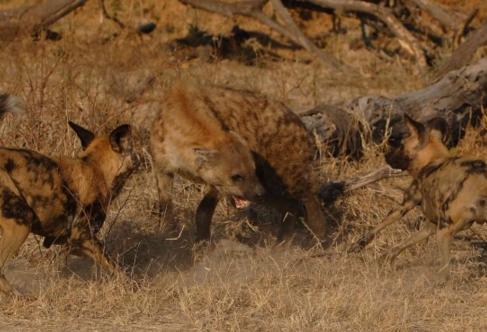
(235, 141)
(451, 190)
(62, 199)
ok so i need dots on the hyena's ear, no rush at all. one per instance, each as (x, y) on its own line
(84, 135)
(438, 127)
(416, 129)
(121, 138)
(204, 155)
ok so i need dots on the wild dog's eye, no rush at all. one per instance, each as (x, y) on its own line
(237, 178)
(395, 141)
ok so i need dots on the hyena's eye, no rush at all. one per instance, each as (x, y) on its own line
(237, 178)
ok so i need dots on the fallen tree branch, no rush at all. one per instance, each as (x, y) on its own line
(449, 21)
(106, 15)
(331, 190)
(32, 19)
(464, 53)
(458, 98)
(407, 41)
(253, 9)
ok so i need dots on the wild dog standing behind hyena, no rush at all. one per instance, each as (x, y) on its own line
(63, 199)
(240, 145)
(451, 190)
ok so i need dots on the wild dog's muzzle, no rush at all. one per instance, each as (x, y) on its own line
(396, 158)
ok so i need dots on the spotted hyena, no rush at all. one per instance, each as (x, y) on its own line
(63, 199)
(451, 190)
(241, 145)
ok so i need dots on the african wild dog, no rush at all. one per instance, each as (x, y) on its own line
(62, 199)
(240, 145)
(452, 191)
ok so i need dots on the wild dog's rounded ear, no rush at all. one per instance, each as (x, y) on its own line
(204, 155)
(85, 136)
(416, 129)
(121, 138)
(439, 128)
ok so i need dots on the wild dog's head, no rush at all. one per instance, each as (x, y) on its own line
(413, 145)
(229, 166)
(113, 154)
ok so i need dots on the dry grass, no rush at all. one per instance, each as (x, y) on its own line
(173, 286)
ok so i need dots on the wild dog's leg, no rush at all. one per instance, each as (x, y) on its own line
(204, 214)
(412, 197)
(81, 238)
(315, 218)
(428, 229)
(93, 249)
(444, 237)
(393, 217)
(14, 234)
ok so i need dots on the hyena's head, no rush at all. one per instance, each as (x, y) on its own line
(229, 166)
(414, 145)
(112, 154)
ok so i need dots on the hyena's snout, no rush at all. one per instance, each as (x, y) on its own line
(251, 192)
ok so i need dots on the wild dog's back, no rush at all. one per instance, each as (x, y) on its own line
(37, 180)
(454, 186)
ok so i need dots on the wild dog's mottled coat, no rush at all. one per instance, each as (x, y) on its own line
(451, 190)
(65, 199)
(216, 136)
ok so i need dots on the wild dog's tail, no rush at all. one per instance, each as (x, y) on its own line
(10, 104)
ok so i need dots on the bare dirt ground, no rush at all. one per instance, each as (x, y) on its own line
(88, 75)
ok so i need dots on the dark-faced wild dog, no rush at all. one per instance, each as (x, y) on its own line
(242, 146)
(64, 200)
(451, 190)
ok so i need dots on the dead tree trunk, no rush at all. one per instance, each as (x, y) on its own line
(32, 19)
(464, 53)
(458, 98)
(449, 21)
(407, 41)
(253, 9)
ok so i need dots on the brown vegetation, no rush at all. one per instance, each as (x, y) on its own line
(235, 286)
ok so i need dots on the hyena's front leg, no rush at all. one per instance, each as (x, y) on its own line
(164, 207)
(204, 214)
(315, 218)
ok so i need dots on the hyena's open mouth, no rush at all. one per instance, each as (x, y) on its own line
(240, 202)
